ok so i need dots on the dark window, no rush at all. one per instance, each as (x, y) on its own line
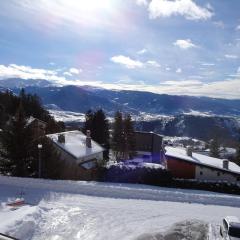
(218, 173)
(201, 173)
(234, 231)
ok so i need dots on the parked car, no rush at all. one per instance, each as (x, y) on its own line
(230, 229)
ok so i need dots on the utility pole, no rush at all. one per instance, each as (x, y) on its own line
(39, 161)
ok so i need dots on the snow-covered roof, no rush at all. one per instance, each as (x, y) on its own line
(32, 119)
(200, 159)
(75, 144)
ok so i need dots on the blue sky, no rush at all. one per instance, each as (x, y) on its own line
(189, 47)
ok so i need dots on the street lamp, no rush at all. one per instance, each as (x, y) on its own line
(39, 160)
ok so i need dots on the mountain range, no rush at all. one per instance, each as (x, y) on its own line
(83, 98)
(167, 114)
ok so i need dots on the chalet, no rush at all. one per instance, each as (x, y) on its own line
(38, 126)
(79, 151)
(148, 146)
(185, 164)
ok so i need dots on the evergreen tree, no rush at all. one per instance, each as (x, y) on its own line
(214, 148)
(3, 116)
(100, 128)
(118, 141)
(129, 138)
(98, 124)
(88, 124)
(15, 142)
(237, 158)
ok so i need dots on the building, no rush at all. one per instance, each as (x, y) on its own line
(37, 126)
(79, 152)
(148, 146)
(185, 164)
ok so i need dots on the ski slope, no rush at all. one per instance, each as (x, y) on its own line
(60, 210)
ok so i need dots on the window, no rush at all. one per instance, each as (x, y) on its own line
(201, 173)
(218, 173)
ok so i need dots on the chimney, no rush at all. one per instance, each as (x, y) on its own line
(88, 139)
(189, 151)
(225, 164)
(61, 138)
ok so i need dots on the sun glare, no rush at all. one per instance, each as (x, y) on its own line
(87, 5)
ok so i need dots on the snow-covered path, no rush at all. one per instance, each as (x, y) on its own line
(101, 211)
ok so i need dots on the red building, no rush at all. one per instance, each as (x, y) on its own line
(185, 164)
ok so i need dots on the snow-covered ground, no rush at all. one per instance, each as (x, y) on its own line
(88, 210)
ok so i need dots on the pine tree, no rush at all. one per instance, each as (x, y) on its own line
(98, 124)
(237, 158)
(118, 142)
(15, 142)
(214, 148)
(129, 138)
(100, 128)
(88, 124)
(3, 116)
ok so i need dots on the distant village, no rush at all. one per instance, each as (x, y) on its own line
(33, 144)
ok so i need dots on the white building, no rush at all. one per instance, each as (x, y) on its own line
(78, 150)
(183, 163)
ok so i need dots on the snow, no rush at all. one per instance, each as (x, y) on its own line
(200, 159)
(60, 210)
(30, 120)
(232, 219)
(75, 144)
(67, 116)
(198, 113)
(135, 163)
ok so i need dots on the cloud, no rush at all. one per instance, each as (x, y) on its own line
(219, 24)
(75, 70)
(238, 28)
(186, 8)
(153, 63)
(208, 64)
(228, 88)
(131, 64)
(167, 68)
(179, 70)
(182, 83)
(67, 74)
(142, 2)
(142, 51)
(184, 43)
(127, 62)
(220, 89)
(230, 56)
(72, 71)
(25, 72)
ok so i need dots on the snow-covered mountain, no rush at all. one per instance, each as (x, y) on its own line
(81, 99)
(197, 117)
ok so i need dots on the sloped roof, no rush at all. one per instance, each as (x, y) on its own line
(31, 119)
(201, 159)
(75, 144)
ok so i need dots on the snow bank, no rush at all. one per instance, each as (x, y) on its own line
(124, 191)
(88, 211)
